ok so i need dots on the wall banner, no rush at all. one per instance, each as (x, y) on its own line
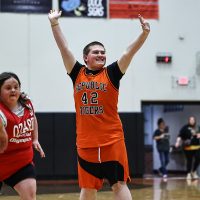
(83, 8)
(26, 6)
(131, 8)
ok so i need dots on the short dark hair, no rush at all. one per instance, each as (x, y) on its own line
(86, 49)
(160, 120)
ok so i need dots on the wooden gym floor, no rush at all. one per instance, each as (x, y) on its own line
(149, 188)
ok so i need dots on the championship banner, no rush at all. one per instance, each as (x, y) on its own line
(131, 8)
(84, 8)
(26, 6)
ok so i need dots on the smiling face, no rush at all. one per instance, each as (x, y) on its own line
(10, 92)
(96, 57)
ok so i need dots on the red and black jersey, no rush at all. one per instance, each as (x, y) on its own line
(96, 98)
(19, 151)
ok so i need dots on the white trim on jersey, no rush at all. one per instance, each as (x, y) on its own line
(4, 119)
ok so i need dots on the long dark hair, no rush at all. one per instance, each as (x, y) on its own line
(192, 125)
(5, 76)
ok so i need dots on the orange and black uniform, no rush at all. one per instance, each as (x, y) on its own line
(98, 125)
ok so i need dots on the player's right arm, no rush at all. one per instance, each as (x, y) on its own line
(3, 137)
(67, 56)
(134, 46)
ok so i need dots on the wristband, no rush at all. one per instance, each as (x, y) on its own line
(52, 25)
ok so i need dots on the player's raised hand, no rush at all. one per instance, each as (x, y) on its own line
(54, 15)
(145, 25)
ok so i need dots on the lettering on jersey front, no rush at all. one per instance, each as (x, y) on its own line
(22, 132)
(89, 97)
(15, 140)
(92, 85)
(91, 110)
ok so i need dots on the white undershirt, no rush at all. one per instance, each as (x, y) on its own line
(19, 111)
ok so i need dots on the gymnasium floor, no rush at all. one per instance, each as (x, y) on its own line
(149, 188)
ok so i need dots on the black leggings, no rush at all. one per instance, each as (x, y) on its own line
(193, 159)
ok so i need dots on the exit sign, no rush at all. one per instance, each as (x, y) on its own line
(183, 80)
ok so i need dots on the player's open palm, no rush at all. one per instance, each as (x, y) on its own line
(54, 15)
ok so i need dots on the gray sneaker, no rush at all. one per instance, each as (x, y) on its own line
(195, 175)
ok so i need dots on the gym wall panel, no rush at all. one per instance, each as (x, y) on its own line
(45, 166)
(57, 137)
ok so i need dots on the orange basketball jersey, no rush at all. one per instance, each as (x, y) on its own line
(97, 120)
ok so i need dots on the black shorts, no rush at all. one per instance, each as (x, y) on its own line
(26, 172)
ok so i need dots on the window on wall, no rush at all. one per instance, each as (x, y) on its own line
(173, 108)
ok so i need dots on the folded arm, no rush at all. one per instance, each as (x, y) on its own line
(159, 137)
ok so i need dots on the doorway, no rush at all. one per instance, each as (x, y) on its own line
(175, 115)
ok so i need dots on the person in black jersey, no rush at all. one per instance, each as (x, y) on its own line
(189, 137)
(101, 150)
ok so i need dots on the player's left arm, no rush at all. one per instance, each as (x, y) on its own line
(3, 137)
(36, 143)
(127, 56)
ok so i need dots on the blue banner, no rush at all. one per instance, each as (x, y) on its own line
(84, 8)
